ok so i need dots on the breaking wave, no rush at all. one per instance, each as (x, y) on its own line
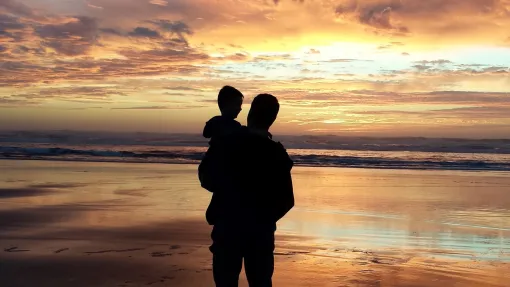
(306, 157)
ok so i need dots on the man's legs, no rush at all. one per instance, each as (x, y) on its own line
(259, 259)
(227, 257)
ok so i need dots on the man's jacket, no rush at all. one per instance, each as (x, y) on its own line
(250, 177)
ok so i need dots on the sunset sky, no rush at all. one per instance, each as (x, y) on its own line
(435, 68)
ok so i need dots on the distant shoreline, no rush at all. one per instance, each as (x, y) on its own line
(316, 142)
(296, 164)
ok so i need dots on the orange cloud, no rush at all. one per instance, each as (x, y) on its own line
(143, 55)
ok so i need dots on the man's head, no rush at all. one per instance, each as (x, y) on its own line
(230, 101)
(263, 112)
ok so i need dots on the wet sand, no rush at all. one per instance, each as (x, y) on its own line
(104, 224)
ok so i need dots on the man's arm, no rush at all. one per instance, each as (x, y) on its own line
(286, 197)
(285, 190)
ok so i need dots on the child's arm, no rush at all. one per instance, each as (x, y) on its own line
(207, 133)
(210, 170)
(205, 171)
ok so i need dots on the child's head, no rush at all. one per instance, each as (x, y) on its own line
(230, 101)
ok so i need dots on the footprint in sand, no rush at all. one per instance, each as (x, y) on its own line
(15, 249)
(60, 250)
(158, 281)
(160, 254)
(114, 250)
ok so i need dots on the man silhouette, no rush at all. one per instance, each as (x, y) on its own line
(250, 176)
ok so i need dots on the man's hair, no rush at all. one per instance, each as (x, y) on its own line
(263, 111)
(227, 95)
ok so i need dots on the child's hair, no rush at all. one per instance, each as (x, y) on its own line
(227, 95)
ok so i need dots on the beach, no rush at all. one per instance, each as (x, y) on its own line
(140, 224)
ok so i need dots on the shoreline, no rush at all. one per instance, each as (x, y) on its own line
(474, 170)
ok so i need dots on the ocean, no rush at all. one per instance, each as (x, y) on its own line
(320, 151)
(111, 209)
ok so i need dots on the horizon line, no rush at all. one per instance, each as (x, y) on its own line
(277, 134)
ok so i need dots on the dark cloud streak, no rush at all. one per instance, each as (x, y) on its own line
(436, 15)
(175, 28)
(374, 14)
(144, 32)
(71, 39)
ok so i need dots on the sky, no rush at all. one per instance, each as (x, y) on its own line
(432, 68)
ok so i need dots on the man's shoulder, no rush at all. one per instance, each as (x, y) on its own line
(275, 145)
(273, 150)
(280, 155)
(247, 139)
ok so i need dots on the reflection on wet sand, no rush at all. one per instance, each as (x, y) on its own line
(102, 224)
